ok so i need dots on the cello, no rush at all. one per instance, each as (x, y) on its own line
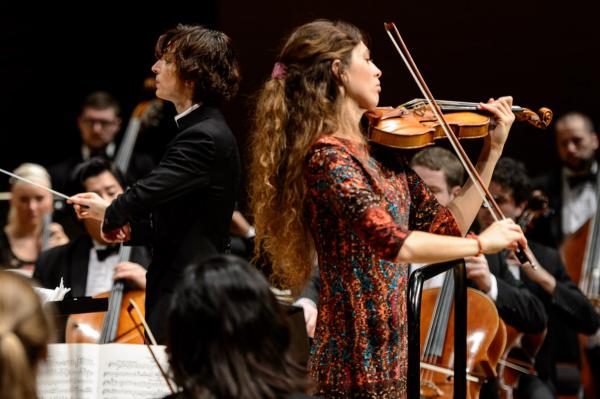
(486, 339)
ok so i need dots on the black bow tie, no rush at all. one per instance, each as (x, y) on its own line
(104, 253)
(577, 180)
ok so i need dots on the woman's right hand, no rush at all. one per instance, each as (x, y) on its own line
(89, 206)
(500, 235)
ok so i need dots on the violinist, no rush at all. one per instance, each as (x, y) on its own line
(571, 188)
(89, 264)
(30, 210)
(318, 193)
(183, 208)
(567, 307)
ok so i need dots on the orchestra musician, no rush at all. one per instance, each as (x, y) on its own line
(184, 207)
(99, 122)
(569, 311)
(318, 192)
(570, 188)
(29, 220)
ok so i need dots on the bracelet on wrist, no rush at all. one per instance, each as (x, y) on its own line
(475, 237)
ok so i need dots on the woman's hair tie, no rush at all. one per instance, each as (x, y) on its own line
(279, 71)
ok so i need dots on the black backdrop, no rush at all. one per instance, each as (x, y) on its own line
(469, 50)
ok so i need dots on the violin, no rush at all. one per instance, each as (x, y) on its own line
(414, 125)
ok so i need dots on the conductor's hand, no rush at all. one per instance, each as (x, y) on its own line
(133, 272)
(502, 234)
(117, 235)
(89, 206)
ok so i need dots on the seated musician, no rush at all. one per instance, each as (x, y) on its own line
(226, 335)
(568, 309)
(88, 265)
(28, 231)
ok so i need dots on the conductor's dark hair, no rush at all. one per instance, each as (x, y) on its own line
(204, 57)
(226, 334)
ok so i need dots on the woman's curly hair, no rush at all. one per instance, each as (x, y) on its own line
(292, 110)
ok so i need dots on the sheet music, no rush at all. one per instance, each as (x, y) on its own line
(91, 371)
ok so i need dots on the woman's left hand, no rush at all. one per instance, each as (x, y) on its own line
(89, 206)
(503, 118)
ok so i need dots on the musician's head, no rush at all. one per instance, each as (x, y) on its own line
(576, 140)
(441, 171)
(511, 189)
(99, 120)
(28, 203)
(197, 63)
(25, 331)
(100, 176)
(226, 334)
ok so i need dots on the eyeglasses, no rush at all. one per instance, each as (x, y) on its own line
(104, 123)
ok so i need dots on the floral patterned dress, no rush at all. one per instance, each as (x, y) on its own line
(360, 212)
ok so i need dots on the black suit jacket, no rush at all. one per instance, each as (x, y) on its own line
(569, 312)
(183, 207)
(516, 304)
(71, 262)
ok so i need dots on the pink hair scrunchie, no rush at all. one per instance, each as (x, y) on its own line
(279, 71)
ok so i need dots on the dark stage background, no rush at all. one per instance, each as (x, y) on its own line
(470, 50)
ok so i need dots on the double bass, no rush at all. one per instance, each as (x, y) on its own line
(581, 255)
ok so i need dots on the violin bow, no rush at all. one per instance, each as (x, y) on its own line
(134, 306)
(488, 199)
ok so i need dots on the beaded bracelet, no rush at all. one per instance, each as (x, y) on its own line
(476, 238)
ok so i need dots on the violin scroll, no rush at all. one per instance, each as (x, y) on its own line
(541, 119)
